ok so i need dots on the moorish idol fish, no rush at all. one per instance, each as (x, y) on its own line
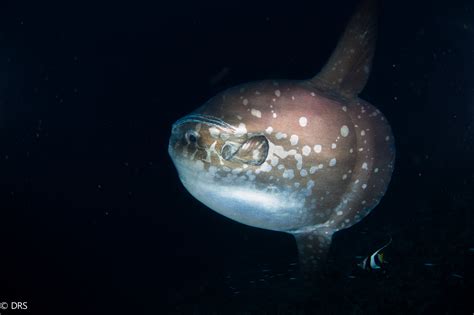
(376, 260)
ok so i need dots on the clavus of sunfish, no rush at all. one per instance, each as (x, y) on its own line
(303, 157)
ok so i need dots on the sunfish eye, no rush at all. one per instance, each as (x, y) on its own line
(191, 136)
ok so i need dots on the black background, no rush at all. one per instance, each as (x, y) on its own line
(94, 220)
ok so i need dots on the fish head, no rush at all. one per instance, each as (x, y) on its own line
(200, 141)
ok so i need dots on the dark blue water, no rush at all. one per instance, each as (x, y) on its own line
(94, 220)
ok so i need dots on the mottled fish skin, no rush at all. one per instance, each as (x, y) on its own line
(295, 156)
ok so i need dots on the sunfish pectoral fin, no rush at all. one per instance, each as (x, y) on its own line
(253, 151)
(348, 68)
(313, 246)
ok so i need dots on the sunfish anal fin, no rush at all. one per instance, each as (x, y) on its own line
(313, 246)
(348, 68)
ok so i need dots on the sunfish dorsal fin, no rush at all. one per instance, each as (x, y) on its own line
(348, 68)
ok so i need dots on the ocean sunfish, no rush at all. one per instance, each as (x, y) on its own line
(304, 157)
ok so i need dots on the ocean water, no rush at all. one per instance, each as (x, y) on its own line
(94, 220)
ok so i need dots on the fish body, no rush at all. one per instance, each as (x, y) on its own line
(305, 157)
(319, 165)
(375, 261)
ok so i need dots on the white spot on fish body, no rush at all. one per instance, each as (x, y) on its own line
(303, 121)
(269, 130)
(245, 102)
(317, 148)
(265, 167)
(241, 130)
(288, 174)
(376, 170)
(364, 186)
(303, 173)
(332, 162)
(364, 166)
(280, 135)
(344, 176)
(313, 169)
(214, 132)
(306, 150)
(277, 93)
(362, 133)
(256, 113)
(274, 115)
(339, 213)
(274, 160)
(387, 138)
(294, 139)
(299, 161)
(333, 146)
(344, 131)
(344, 108)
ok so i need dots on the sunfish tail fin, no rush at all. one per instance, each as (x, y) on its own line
(348, 68)
(313, 246)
